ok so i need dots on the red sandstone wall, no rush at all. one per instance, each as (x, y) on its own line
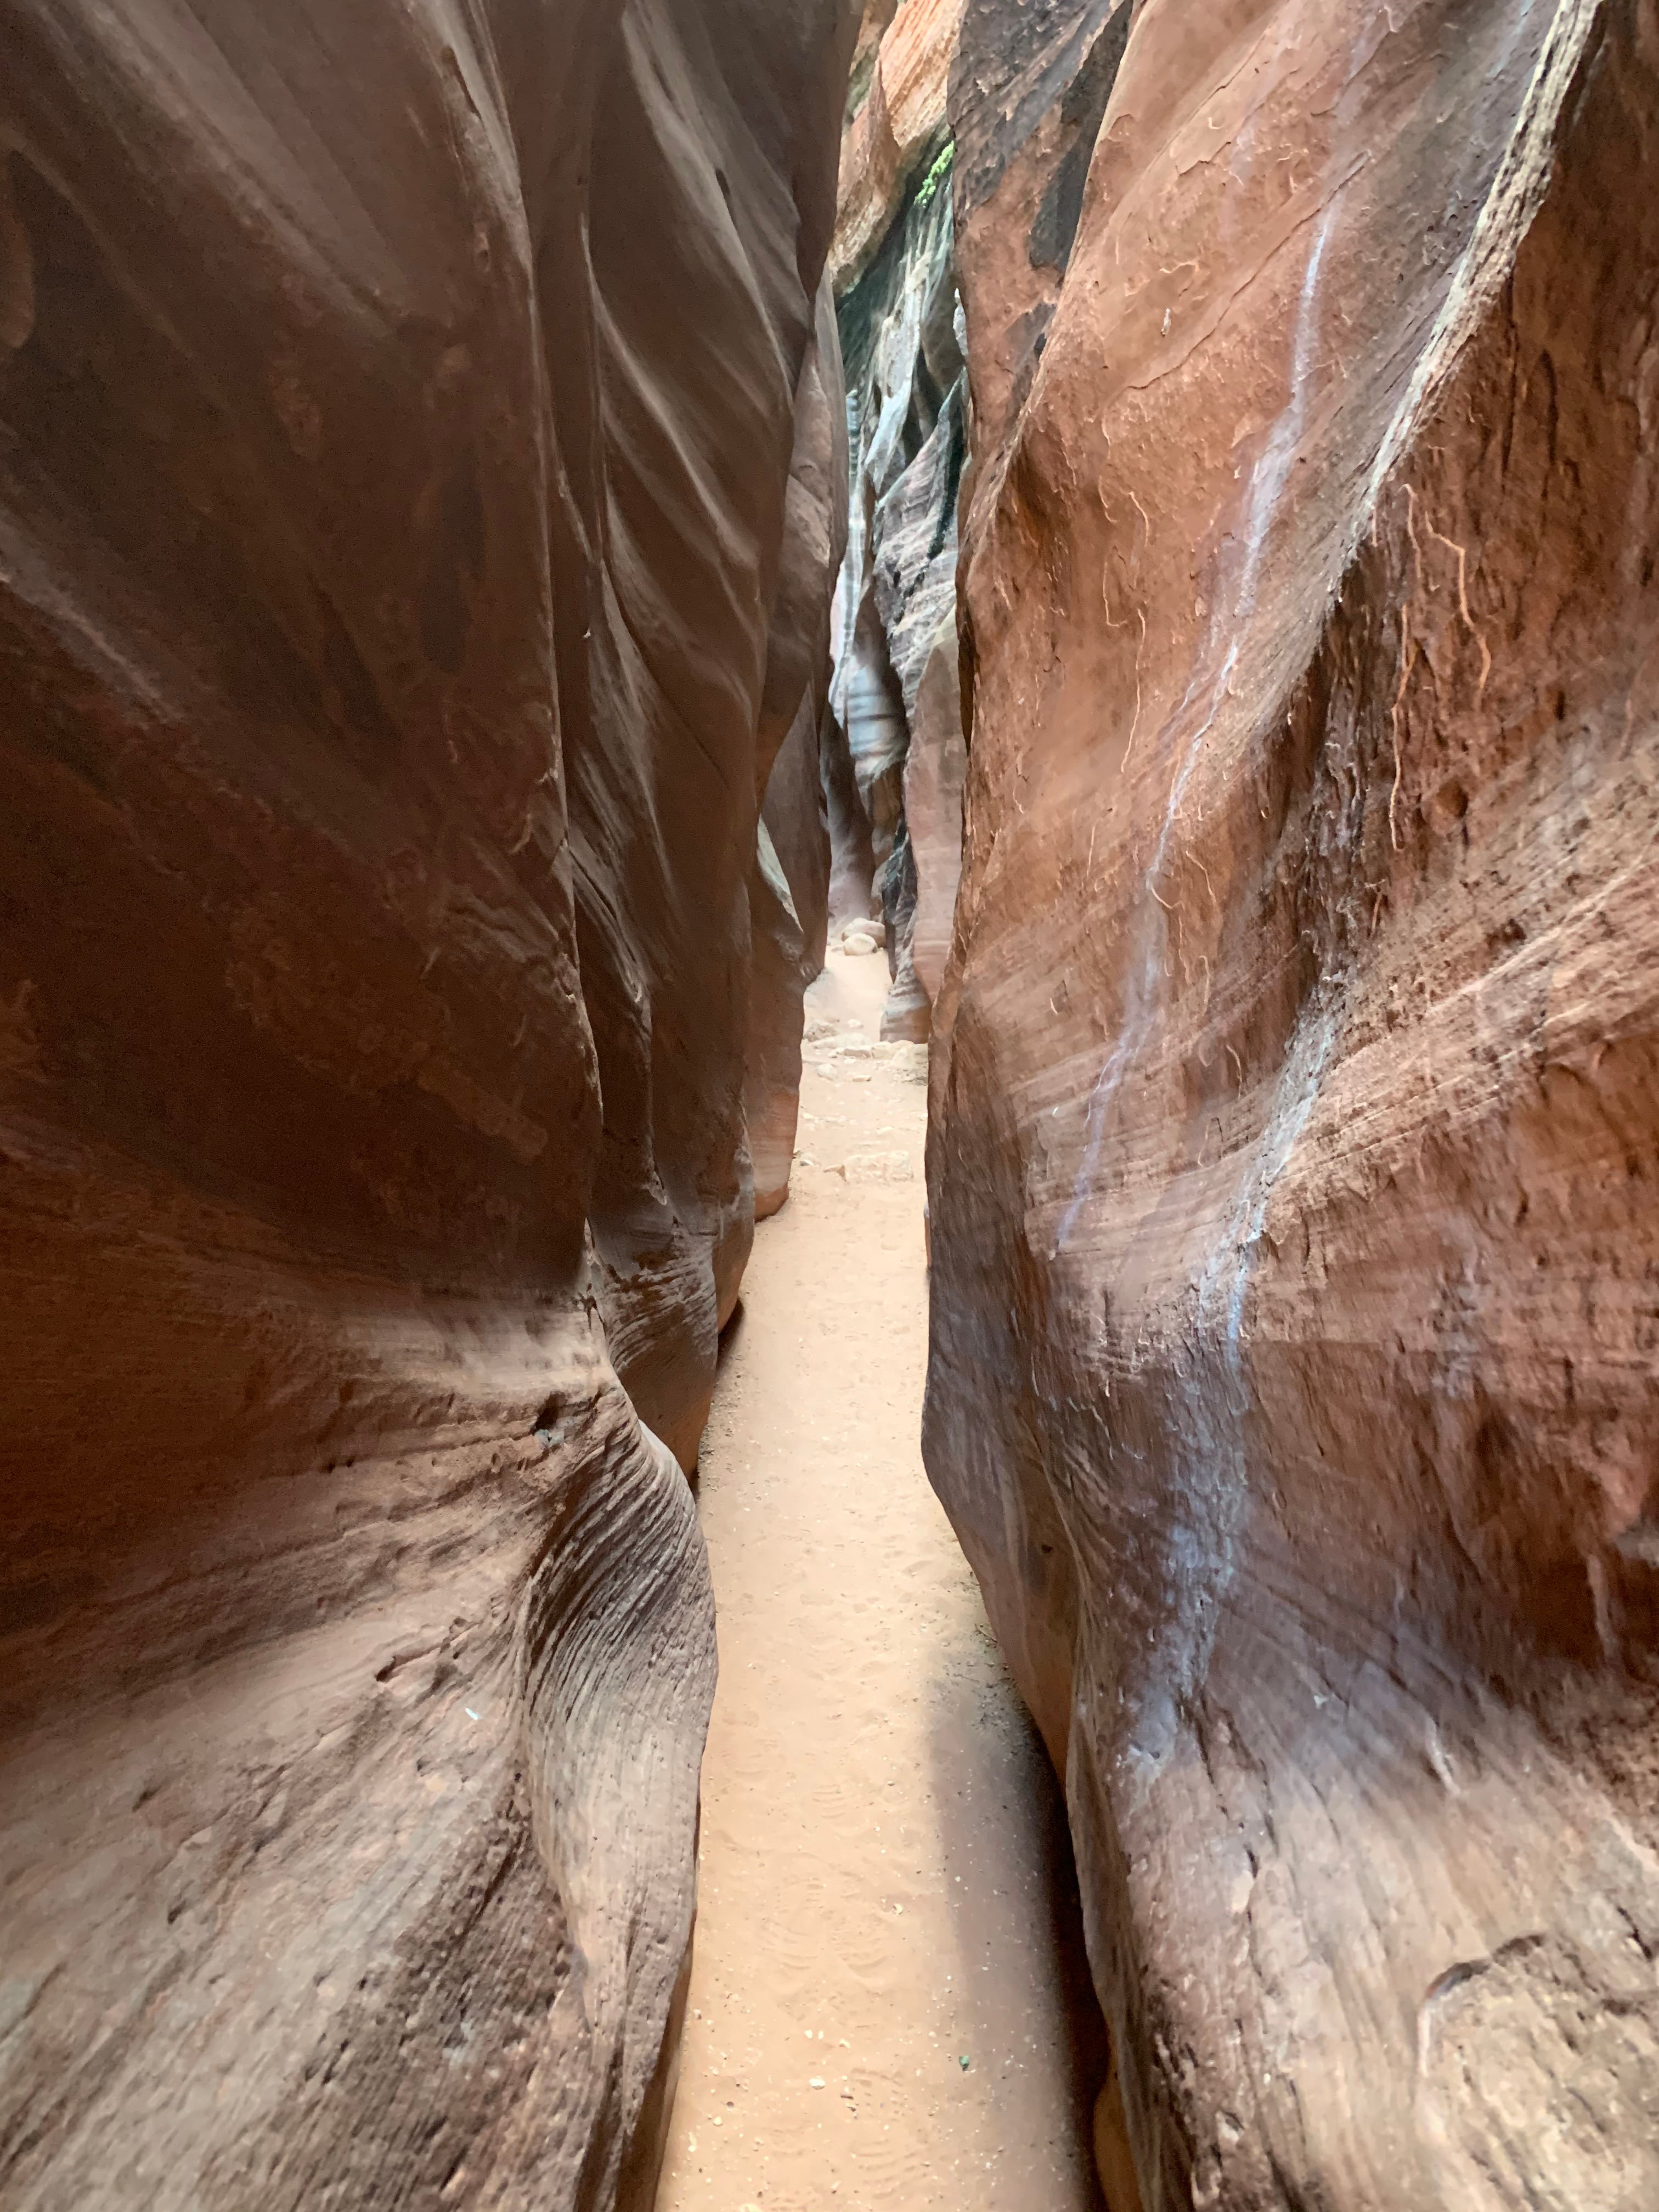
(396, 415)
(1293, 1177)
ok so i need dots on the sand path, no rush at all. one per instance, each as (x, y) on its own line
(877, 1904)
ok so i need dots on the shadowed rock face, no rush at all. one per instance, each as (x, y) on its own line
(897, 96)
(934, 766)
(896, 600)
(396, 426)
(789, 885)
(1292, 1178)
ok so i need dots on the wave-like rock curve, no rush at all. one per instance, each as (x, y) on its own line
(1293, 1167)
(397, 407)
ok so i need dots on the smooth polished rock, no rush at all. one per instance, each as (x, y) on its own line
(1293, 1173)
(396, 415)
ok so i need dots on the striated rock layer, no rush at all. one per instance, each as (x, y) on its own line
(894, 697)
(897, 102)
(1292, 1180)
(789, 884)
(396, 422)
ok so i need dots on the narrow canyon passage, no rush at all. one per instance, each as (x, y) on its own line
(878, 1894)
(529, 533)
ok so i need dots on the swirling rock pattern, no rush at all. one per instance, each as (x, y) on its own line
(396, 410)
(1293, 1172)
(896, 599)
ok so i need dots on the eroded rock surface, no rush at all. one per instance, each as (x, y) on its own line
(897, 123)
(396, 422)
(789, 887)
(907, 389)
(1292, 1179)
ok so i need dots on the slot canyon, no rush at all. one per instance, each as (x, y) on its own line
(827, 1118)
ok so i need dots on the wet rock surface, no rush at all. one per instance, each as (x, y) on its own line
(397, 501)
(1292, 1177)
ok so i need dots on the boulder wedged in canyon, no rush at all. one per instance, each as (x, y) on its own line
(1292, 1182)
(396, 419)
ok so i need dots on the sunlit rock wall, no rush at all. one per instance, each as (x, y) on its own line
(396, 420)
(1294, 1171)
(896, 118)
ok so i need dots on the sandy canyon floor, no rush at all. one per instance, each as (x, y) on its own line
(883, 2007)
